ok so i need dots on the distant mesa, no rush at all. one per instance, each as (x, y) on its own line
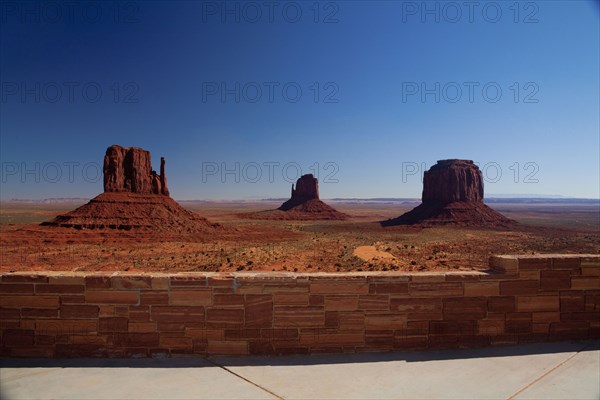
(135, 197)
(307, 189)
(452, 195)
(303, 205)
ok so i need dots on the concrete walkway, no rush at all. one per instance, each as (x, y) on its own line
(568, 370)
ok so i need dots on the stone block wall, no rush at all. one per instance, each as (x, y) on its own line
(76, 314)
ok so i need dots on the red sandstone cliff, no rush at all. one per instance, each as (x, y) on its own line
(128, 169)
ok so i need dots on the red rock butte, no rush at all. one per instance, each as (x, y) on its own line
(135, 197)
(307, 189)
(128, 169)
(305, 202)
(303, 205)
(452, 195)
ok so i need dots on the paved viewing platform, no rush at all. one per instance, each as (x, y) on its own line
(565, 370)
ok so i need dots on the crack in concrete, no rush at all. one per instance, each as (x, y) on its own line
(216, 364)
(545, 374)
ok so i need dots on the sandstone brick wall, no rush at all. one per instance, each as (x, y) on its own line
(521, 299)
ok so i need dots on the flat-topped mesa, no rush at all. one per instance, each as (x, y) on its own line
(128, 169)
(307, 188)
(453, 180)
(452, 195)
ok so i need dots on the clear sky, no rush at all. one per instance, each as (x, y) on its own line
(367, 94)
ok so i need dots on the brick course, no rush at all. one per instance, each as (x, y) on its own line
(521, 299)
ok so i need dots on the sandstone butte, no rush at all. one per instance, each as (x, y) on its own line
(135, 198)
(304, 204)
(305, 200)
(452, 195)
(128, 169)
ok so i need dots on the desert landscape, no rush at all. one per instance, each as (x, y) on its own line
(136, 226)
(237, 199)
(312, 246)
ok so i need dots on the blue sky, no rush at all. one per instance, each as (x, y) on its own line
(387, 88)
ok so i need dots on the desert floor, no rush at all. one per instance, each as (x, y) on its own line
(359, 244)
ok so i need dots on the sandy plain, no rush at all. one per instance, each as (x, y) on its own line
(358, 244)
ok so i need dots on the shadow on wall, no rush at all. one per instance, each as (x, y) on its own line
(321, 359)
